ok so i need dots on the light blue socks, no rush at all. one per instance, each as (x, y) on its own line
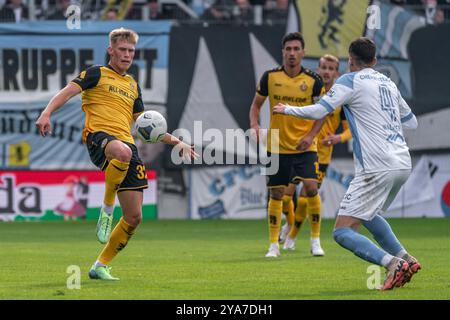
(383, 234)
(361, 246)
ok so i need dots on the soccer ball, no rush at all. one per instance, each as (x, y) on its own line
(151, 126)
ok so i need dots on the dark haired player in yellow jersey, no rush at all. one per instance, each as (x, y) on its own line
(111, 100)
(327, 138)
(296, 146)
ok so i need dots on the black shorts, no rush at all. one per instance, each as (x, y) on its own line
(136, 178)
(294, 168)
(322, 171)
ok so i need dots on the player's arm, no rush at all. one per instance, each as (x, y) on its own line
(407, 118)
(138, 106)
(312, 112)
(317, 92)
(85, 80)
(307, 140)
(255, 109)
(333, 138)
(43, 122)
(340, 93)
(186, 151)
(346, 133)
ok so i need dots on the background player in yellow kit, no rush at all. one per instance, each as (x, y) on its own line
(295, 146)
(327, 138)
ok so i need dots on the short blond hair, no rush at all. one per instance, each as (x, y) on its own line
(330, 58)
(122, 34)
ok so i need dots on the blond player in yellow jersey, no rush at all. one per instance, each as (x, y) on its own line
(295, 146)
(327, 138)
(111, 100)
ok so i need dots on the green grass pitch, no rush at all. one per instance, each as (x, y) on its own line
(215, 259)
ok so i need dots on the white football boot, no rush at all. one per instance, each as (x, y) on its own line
(274, 251)
(289, 244)
(285, 229)
(316, 249)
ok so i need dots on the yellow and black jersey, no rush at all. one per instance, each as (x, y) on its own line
(300, 90)
(330, 126)
(109, 100)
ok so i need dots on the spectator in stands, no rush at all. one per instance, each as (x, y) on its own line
(111, 15)
(154, 12)
(439, 17)
(243, 12)
(13, 11)
(277, 14)
(219, 11)
(61, 9)
(150, 11)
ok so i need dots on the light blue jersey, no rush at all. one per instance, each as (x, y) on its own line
(375, 111)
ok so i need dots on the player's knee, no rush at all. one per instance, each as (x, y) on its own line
(135, 219)
(277, 193)
(118, 150)
(310, 189)
(311, 193)
(123, 153)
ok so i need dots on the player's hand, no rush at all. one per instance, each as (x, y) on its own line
(305, 143)
(43, 124)
(187, 152)
(331, 139)
(279, 108)
(255, 132)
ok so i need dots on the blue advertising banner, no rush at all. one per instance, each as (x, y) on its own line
(38, 59)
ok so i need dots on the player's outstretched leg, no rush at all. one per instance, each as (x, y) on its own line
(118, 155)
(119, 239)
(383, 234)
(104, 224)
(362, 247)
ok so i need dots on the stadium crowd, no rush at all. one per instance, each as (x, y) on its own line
(244, 12)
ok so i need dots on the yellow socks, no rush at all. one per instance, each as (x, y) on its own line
(288, 209)
(275, 209)
(118, 240)
(313, 211)
(114, 174)
(300, 216)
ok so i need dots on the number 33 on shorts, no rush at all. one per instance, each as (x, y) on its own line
(141, 172)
